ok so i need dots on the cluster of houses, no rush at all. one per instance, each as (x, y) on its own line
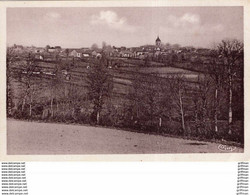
(133, 52)
(142, 52)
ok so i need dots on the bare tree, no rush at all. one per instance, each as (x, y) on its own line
(178, 88)
(216, 70)
(135, 96)
(76, 100)
(150, 100)
(34, 94)
(202, 100)
(55, 84)
(151, 96)
(30, 84)
(231, 51)
(99, 83)
(10, 58)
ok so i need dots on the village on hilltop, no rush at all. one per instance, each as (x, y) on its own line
(159, 52)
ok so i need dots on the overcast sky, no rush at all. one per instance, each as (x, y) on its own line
(81, 27)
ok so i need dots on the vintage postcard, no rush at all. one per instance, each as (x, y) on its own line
(124, 81)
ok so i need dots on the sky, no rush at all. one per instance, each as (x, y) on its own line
(123, 26)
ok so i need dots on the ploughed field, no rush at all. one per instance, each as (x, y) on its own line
(47, 138)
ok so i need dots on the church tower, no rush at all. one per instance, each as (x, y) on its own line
(158, 41)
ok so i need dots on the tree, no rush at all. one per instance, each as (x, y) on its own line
(30, 85)
(149, 100)
(176, 46)
(202, 101)
(54, 85)
(9, 74)
(75, 98)
(58, 47)
(134, 96)
(231, 51)
(99, 85)
(168, 45)
(94, 46)
(173, 59)
(146, 61)
(216, 71)
(104, 45)
(47, 47)
(178, 88)
(67, 52)
(158, 99)
(150, 97)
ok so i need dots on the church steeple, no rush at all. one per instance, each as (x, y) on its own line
(158, 41)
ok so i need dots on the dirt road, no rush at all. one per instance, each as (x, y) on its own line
(47, 138)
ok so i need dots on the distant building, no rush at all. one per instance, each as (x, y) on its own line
(158, 42)
(39, 57)
(73, 53)
(77, 53)
(94, 53)
(97, 53)
(39, 50)
(86, 53)
(52, 49)
(123, 48)
(126, 54)
(138, 53)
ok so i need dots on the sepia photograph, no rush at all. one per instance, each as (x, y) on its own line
(124, 80)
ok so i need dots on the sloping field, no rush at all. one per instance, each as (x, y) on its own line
(166, 71)
(161, 70)
(47, 138)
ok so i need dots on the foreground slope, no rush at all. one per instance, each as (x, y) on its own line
(47, 138)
